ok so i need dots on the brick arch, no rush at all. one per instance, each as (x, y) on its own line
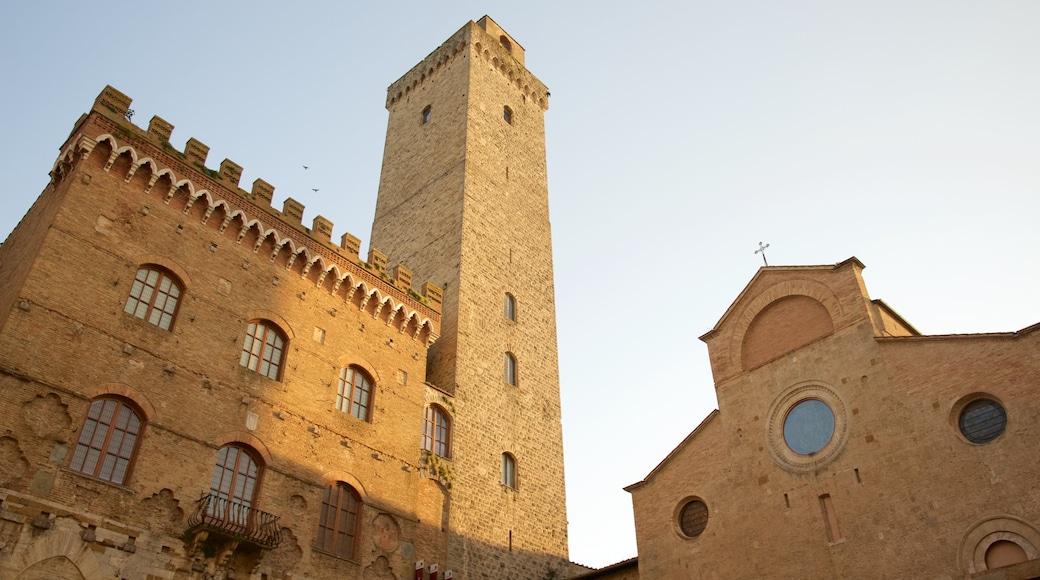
(784, 325)
(247, 439)
(992, 529)
(60, 543)
(791, 287)
(331, 477)
(283, 324)
(127, 392)
(360, 362)
(168, 263)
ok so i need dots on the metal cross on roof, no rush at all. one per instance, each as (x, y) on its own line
(762, 250)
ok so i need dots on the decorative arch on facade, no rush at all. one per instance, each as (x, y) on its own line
(353, 289)
(334, 477)
(247, 440)
(1001, 528)
(784, 325)
(168, 263)
(282, 323)
(63, 542)
(792, 287)
(127, 392)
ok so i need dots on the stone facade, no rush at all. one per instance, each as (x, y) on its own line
(844, 446)
(219, 465)
(463, 199)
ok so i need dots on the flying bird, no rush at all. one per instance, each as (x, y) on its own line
(305, 167)
(315, 190)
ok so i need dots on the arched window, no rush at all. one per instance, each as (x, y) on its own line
(355, 391)
(263, 349)
(507, 114)
(510, 374)
(236, 477)
(510, 307)
(437, 431)
(154, 296)
(108, 442)
(337, 527)
(508, 470)
(426, 114)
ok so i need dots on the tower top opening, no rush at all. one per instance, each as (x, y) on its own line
(507, 42)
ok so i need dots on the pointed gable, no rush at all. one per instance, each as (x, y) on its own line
(782, 309)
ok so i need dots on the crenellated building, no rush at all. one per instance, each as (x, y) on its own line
(195, 384)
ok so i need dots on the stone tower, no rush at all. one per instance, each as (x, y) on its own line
(463, 199)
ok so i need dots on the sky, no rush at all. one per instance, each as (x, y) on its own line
(679, 136)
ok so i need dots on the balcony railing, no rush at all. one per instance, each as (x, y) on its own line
(234, 520)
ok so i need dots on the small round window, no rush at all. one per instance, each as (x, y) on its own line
(809, 426)
(982, 420)
(693, 518)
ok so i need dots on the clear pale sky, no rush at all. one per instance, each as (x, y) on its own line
(680, 134)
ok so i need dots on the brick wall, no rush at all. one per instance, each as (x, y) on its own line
(906, 494)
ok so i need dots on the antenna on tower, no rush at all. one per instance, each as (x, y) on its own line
(762, 250)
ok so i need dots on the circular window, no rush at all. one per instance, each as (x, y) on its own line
(693, 518)
(809, 426)
(982, 420)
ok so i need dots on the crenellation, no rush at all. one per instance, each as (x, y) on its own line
(247, 268)
(231, 171)
(293, 211)
(403, 275)
(113, 100)
(425, 70)
(377, 260)
(161, 129)
(262, 192)
(196, 151)
(352, 245)
(321, 228)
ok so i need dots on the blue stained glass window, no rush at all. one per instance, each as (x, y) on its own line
(809, 426)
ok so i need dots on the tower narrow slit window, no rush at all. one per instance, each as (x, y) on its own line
(508, 470)
(507, 114)
(510, 307)
(510, 370)
(426, 114)
(154, 296)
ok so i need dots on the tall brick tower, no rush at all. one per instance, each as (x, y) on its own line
(463, 199)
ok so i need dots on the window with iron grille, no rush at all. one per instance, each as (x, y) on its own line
(693, 518)
(355, 393)
(236, 476)
(108, 442)
(437, 431)
(338, 523)
(982, 420)
(263, 349)
(154, 296)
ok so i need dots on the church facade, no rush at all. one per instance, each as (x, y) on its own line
(195, 384)
(848, 445)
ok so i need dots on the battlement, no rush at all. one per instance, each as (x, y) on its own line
(483, 39)
(185, 173)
